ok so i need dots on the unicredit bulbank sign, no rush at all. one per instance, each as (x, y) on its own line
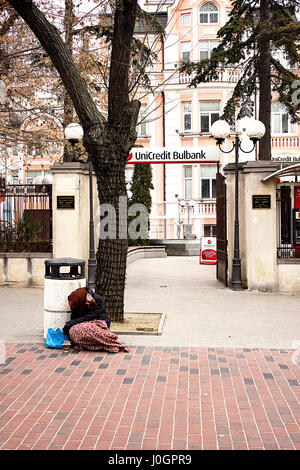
(174, 155)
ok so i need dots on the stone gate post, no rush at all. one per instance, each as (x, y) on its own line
(257, 223)
(70, 209)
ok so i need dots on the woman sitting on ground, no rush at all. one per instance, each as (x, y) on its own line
(88, 327)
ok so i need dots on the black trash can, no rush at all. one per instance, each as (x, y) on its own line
(55, 268)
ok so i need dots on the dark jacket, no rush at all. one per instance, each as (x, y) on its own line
(86, 314)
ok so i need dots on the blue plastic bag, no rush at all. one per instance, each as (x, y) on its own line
(55, 338)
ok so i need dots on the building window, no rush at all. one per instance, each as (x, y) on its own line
(42, 144)
(31, 175)
(15, 150)
(208, 181)
(209, 113)
(185, 51)
(30, 148)
(209, 13)
(210, 230)
(186, 19)
(206, 48)
(281, 121)
(188, 182)
(187, 116)
(141, 128)
(15, 177)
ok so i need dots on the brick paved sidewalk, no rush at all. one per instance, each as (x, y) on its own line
(151, 398)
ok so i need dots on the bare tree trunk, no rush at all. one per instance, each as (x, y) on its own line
(68, 105)
(107, 142)
(265, 92)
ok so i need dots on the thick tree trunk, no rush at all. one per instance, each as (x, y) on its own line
(68, 105)
(265, 92)
(111, 255)
(112, 252)
(107, 142)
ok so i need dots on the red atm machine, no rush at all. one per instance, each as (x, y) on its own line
(296, 221)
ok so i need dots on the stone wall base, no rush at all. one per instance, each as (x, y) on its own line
(28, 269)
(139, 252)
(23, 269)
(288, 273)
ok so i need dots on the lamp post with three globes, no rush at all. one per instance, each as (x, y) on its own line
(220, 130)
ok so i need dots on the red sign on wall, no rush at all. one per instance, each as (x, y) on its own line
(297, 197)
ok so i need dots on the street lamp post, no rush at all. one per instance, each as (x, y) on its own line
(179, 221)
(74, 133)
(189, 206)
(220, 130)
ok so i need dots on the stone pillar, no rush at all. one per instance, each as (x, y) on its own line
(258, 232)
(71, 225)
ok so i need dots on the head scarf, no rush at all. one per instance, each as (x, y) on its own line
(79, 298)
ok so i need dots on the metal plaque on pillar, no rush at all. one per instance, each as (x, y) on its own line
(65, 202)
(261, 201)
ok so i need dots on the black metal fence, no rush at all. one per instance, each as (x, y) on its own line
(287, 247)
(286, 251)
(26, 218)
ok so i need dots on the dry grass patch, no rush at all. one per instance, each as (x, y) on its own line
(137, 322)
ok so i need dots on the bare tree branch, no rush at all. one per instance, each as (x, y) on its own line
(51, 41)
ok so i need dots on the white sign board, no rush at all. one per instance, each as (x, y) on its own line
(208, 250)
(209, 154)
(286, 158)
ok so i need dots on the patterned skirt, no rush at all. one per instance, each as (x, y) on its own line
(94, 336)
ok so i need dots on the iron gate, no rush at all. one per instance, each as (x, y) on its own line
(26, 218)
(222, 262)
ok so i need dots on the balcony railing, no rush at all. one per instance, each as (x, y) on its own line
(207, 209)
(165, 226)
(223, 76)
(285, 142)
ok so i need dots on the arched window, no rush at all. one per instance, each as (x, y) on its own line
(209, 13)
(42, 143)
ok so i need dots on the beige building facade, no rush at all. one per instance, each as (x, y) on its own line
(178, 116)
